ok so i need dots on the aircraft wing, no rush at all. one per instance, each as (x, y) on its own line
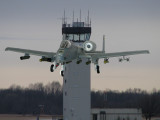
(98, 55)
(31, 52)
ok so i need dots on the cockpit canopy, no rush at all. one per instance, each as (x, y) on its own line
(65, 44)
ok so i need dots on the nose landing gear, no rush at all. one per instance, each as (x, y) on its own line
(54, 66)
(97, 68)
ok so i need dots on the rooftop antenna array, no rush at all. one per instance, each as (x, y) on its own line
(87, 21)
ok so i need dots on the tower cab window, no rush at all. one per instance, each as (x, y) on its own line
(69, 37)
(76, 37)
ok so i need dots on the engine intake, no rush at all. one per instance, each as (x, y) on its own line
(89, 46)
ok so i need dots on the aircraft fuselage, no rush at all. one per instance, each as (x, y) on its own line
(67, 54)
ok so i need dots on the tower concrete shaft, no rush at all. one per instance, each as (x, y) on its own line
(76, 91)
(76, 80)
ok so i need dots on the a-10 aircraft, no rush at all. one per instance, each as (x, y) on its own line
(69, 52)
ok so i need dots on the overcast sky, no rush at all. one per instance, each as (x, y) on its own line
(127, 24)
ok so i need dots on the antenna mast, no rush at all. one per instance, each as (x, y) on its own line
(73, 16)
(80, 15)
(64, 17)
(88, 18)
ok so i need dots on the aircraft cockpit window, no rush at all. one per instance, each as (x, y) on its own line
(65, 44)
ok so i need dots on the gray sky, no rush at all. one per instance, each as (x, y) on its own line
(127, 24)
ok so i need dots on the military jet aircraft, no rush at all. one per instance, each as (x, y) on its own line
(68, 52)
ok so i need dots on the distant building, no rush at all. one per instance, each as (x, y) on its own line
(116, 114)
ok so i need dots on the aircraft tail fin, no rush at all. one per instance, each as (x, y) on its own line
(103, 49)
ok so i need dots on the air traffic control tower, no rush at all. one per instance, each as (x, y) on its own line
(76, 80)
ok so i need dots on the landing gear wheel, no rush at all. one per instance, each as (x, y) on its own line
(62, 73)
(51, 68)
(98, 71)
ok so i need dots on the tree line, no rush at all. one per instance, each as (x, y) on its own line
(48, 99)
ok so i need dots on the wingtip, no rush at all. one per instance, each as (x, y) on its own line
(148, 52)
(6, 49)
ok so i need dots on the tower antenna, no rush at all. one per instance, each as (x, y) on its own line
(73, 15)
(80, 15)
(62, 20)
(77, 20)
(103, 49)
(64, 17)
(88, 17)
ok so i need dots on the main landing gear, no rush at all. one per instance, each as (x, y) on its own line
(62, 73)
(52, 68)
(62, 70)
(97, 68)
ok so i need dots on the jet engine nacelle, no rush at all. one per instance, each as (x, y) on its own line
(89, 46)
(24, 57)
